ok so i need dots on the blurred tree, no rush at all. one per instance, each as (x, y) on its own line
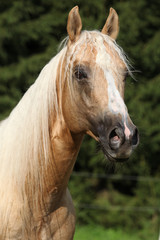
(140, 36)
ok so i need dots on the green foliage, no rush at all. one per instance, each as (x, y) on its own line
(30, 32)
(94, 232)
(110, 202)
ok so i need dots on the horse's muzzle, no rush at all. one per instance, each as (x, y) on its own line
(116, 143)
(119, 146)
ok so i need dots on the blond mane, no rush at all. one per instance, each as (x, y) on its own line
(25, 138)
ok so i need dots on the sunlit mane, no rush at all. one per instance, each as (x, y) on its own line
(25, 141)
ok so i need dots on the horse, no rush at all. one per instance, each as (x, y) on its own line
(80, 91)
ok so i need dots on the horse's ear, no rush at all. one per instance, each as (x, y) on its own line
(74, 24)
(111, 27)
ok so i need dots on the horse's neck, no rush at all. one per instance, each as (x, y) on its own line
(65, 147)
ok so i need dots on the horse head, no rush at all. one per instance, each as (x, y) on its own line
(95, 78)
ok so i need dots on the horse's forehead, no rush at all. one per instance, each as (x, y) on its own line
(99, 52)
(108, 57)
(87, 52)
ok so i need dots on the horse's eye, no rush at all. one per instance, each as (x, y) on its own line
(80, 74)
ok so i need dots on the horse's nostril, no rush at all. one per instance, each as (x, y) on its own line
(113, 135)
(116, 138)
(135, 137)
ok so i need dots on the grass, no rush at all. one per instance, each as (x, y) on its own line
(99, 233)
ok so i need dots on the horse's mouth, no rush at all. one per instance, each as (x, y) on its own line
(110, 157)
(106, 151)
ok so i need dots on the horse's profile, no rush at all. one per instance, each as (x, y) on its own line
(80, 91)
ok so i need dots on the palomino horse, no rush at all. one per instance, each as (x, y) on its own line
(80, 91)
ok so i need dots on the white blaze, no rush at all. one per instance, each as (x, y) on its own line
(115, 102)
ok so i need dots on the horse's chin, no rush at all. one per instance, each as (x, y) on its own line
(115, 160)
(112, 157)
